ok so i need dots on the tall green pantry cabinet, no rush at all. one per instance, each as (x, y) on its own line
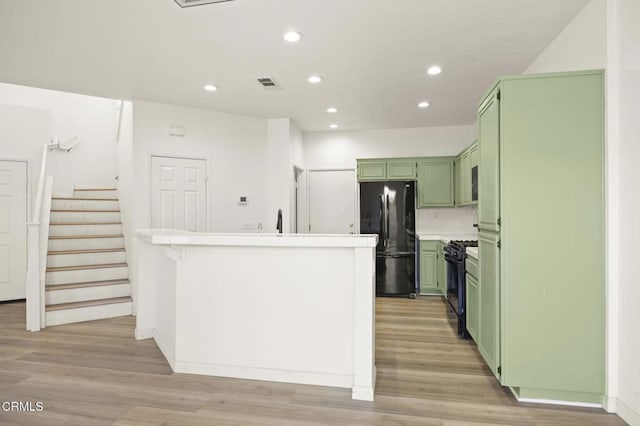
(541, 235)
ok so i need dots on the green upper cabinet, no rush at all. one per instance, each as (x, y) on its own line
(372, 170)
(489, 170)
(387, 169)
(436, 182)
(464, 166)
(401, 169)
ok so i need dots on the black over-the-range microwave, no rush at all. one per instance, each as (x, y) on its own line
(474, 183)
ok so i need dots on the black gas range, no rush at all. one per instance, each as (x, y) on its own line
(455, 255)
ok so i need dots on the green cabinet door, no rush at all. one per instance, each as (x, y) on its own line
(489, 299)
(457, 165)
(489, 158)
(401, 169)
(442, 269)
(472, 306)
(473, 162)
(436, 182)
(372, 170)
(466, 178)
(428, 267)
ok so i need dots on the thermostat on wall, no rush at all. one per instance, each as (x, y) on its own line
(176, 131)
(243, 200)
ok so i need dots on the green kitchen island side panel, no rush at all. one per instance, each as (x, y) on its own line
(552, 191)
(436, 182)
(372, 170)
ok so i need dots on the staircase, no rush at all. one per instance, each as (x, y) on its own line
(87, 276)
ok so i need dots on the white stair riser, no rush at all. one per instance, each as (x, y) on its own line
(86, 244)
(80, 204)
(81, 259)
(66, 230)
(88, 216)
(90, 313)
(95, 194)
(87, 275)
(54, 297)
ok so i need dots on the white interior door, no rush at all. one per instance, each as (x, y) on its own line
(332, 201)
(13, 230)
(179, 194)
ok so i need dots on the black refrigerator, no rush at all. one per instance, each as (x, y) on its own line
(388, 210)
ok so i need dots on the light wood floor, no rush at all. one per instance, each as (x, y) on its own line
(95, 373)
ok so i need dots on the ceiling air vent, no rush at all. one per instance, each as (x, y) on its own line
(189, 3)
(269, 83)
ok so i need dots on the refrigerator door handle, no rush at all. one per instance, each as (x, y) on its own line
(386, 218)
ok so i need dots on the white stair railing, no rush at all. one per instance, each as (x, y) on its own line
(38, 233)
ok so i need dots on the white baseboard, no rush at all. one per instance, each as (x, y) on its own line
(144, 334)
(627, 413)
(555, 402)
(271, 375)
(609, 404)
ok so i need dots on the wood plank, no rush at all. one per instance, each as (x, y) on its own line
(99, 302)
(97, 373)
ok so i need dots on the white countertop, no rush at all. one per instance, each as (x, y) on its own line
(175, 237)
(446, 237)
(472, 252)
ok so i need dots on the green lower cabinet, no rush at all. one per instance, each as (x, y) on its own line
(442, 269)
(428, 267)
(489, 300)
(436, 182)
(472, 306)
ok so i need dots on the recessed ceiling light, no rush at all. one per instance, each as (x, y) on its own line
(314, 79)
(423, 104)
(333, 126)
(434, 70)
(210, 87)
(332, 110)
(292, 36)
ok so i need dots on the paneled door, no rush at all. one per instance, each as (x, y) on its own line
(13, 230)
(332, 201)
(179, 194)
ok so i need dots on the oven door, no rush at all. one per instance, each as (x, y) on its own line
(453, 283)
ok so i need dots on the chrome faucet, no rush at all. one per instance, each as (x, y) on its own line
(259, 228)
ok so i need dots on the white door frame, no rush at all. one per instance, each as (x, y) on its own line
(28, 218)
(356, 206)
(180, 157)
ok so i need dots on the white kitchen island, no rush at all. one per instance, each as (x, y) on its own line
(286, 308)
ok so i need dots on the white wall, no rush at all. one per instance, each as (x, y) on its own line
(235, 148)
(624, 128)
(23, 132)
(333, 150)
(94, 120)
(279, 173)
(580, 46)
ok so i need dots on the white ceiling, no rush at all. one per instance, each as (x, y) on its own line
(372, 54)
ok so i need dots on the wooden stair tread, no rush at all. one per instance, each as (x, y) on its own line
(80, 237)
(54, 287)
(84, 199)
(83, 223)
(88, 303)
(85, 211)
(88, 251)
(86, 267)
(95, 189)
